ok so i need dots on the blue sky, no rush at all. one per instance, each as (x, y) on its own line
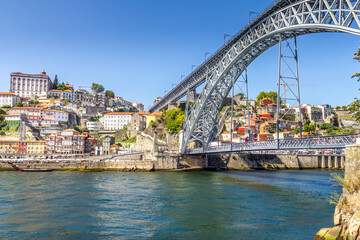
(139, 48)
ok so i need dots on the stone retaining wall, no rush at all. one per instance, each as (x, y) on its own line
(273, 161)
(62, 166)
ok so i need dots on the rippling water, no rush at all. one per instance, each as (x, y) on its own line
(160, 205)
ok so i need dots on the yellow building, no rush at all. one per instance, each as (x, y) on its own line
(22, 147)
(152, 117)
(46, 101)
(35, 147)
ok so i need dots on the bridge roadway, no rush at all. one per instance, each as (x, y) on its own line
(320, 142)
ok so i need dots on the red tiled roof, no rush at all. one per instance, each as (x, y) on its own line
(120, 113)
(7, 93)
(34, 108)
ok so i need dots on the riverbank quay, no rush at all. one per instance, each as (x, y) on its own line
(126, 162)
(251, 161)
(172, 161)
(347, 211)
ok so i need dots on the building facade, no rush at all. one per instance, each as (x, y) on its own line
(56, 115)
(69, 94)
(67, 142)
(30, 85)
(8, 98)
(22, 146)
(93, 126)
(117, 120)
(137, 122)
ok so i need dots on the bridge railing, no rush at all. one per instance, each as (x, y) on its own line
(318, 142)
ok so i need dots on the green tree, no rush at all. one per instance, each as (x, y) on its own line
(56, 82)
(325, 126)
(174, 120)
(306, 128)
(357, 57)
(241, 95)
(262, 95)
(296, 130)
(354, 107)
(311, 128)
(6, 106)
(66, 99)
(97, 87)
(109, 94)
(95, 118)
(62, 87)
(19, 104)
(344, 107)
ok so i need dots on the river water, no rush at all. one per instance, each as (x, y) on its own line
(164, 205)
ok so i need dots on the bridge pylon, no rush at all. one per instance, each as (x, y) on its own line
(288, 78)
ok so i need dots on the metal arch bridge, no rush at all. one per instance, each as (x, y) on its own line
(284, 19)
(322, 142)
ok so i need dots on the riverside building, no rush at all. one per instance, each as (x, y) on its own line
(22, 146)
(67, 142)
(117, 121)
(30, 85)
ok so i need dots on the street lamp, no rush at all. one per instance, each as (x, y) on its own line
(250, 13)
(192, 67)
(226, 35)
(207, 53)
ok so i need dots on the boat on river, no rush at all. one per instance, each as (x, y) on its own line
(29, 169)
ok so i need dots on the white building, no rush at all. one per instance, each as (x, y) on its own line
(57, 115)
(30, 85)
(69, 94)
(138, 106)
(117, 120)
(93, 126)
(8, 98)
(26, 110)
(34, 120)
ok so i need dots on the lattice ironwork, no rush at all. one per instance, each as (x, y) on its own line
(323, 142)
(283, 20)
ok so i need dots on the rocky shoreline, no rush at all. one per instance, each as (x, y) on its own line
(347, 212)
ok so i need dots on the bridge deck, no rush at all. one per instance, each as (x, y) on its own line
(321, 142)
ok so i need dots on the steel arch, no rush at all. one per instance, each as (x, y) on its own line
(292, 18)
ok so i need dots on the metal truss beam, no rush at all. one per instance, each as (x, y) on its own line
(283, 20)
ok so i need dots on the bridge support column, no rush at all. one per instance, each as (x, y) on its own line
(172, 106)
(337, 158)
(342, 162)
(289, 78)
(323, 164)
(242, 93)
(192, 95)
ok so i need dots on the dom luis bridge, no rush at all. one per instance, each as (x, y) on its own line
(280, 24)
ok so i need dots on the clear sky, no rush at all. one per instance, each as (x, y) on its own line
(139, 48)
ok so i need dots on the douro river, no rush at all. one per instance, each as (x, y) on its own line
(163, 205)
